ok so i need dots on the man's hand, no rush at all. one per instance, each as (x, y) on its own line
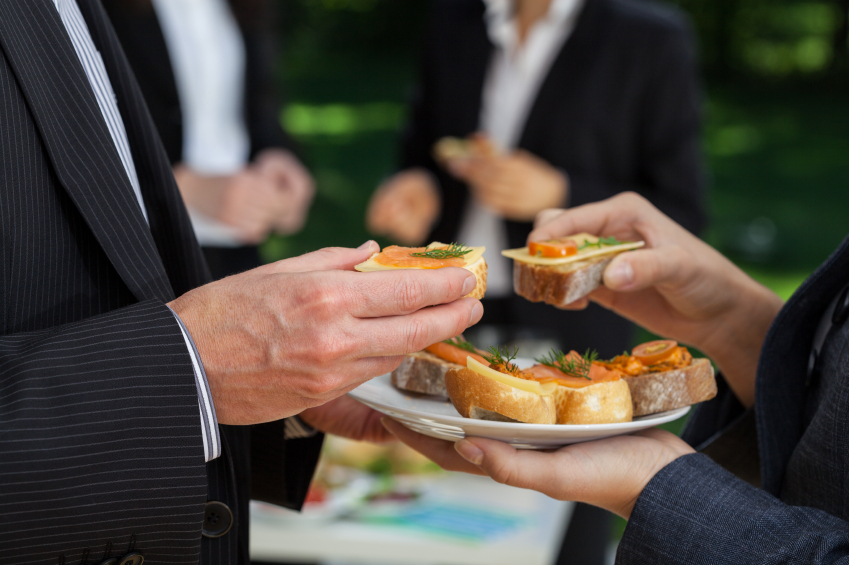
(676, 286)
(246, 201)
(608, 473)
(517, 185)
(294, 185)
(348, 418)
(404, 207)
(298, 333)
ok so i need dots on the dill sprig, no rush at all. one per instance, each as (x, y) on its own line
(453, 250)
(497, 357)
(569, 365)
(601, 241)
(461, 342)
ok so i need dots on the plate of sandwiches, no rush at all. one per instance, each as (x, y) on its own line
(452, 389)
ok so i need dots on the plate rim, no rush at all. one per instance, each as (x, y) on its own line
(458, 420)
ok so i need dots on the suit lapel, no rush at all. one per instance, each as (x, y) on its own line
(569, 67)
(782, 367)
(78, 142)
(169, 221)
(474, 52)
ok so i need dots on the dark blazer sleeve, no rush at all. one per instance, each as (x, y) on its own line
(281, 471)
(671, 173)
(101, 435)
(694, 512)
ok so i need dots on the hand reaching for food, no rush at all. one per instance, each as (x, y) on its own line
(405, 207)
(676, 286)
(516, 185)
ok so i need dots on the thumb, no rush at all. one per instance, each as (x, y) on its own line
(641, 269)
(327, 259)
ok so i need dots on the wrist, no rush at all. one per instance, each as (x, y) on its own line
(738, 336)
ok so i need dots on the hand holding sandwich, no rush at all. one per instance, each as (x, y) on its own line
(298, 333)
(676, 286)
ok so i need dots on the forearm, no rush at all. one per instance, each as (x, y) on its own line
(694, 511)
(735, 339)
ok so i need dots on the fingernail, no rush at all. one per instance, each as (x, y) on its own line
(469, 284)
(469, 451)
(367, 244)
(477, 314)
(620, 275)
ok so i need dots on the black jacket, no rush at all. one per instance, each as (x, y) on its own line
(100, 440)
(138, 29)
(619, 110)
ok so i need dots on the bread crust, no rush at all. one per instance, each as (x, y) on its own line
(423, 372)
(601, 403)
(559, 285)
(479, 397)
(668, 390)
(478, 268)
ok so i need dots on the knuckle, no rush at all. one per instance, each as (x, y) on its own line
(411, 295)
(504, 473)
(417, 336)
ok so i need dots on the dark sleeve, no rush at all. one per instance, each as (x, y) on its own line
(281, 470)
(419, 136)
(263, 103)
(101, 435)
(724, 430)
(695, 512)
(669, 151)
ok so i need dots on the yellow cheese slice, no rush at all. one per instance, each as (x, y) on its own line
(587, 253)
(534, 387)
(372, 265)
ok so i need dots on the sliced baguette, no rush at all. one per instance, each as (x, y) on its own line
(559, 285)
(476, 266)
(601, 403)
(479, 397)
(423, 372)
(668, 390)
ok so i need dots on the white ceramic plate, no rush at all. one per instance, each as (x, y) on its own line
(436, 417)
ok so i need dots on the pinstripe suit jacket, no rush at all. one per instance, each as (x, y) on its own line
(100, 439)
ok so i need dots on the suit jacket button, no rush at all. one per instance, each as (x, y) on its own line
(217, 519)
(841, 310)
(132, 559)
(110, 561)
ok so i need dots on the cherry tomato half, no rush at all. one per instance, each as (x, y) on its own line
(553, 248)
(653, 352)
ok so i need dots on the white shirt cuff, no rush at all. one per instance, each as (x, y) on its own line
(295, 428)
(208, 420)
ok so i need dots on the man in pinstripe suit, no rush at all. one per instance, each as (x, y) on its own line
(141, 408)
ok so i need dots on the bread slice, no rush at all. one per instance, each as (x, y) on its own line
(423, 372)
(479, 397)
(559, 285)
(476, 264)
(668, 390)
(602, 403)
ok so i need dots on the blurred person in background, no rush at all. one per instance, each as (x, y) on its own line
(205, 68)
(572, 101)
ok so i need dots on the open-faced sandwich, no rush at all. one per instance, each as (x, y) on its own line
(449, 148)
(561, 389)
(587, 392)
(664, 376)
(434, 256)
(424, 371)
(561, 271)
(498, 390)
